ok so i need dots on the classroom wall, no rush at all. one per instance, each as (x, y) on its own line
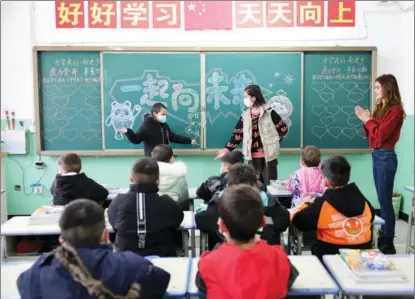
(25, 24)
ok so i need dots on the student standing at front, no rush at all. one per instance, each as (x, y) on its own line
(261, 129)
(383, 129)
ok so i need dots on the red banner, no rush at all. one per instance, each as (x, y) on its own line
(341, 14)
(69, 14)
(167, 14)
(249, 14)
(208, 15)
(310, 13)
(135, 14)
(280, 14)
(102, 14)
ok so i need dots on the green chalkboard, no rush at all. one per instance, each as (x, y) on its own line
(70, 100)
(133, 82)
(227, 74)
(334, 83)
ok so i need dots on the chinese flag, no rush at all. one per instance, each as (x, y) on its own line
(207, 15)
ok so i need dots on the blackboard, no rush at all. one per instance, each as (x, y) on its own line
(334, 83)
(69, 101)
(227, 74)
(133, 82)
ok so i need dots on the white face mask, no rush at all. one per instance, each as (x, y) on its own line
(248, 103)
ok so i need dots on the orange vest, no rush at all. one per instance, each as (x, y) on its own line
(335, 228)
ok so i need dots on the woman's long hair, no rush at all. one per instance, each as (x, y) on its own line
(391, 95)
(70, 259)
(255, 91)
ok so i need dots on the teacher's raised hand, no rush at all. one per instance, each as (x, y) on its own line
(123, 130)
(362, 114)
(221, 153)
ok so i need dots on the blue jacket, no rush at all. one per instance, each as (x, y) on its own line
(49, 279)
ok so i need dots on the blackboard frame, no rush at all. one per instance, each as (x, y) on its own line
(202, 151)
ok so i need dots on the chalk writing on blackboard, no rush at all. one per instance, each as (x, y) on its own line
(150, 88)
(338, 74)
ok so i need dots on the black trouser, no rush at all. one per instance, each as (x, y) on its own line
(266, 171)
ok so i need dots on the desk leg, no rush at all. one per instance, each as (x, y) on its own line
(299, 242)
(409, 247)
(193, 241)
(2, 248)
(375, 237)
(185, 240)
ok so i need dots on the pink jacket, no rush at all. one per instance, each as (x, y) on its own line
(304, 182)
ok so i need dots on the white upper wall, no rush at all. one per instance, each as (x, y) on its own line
(27, 23)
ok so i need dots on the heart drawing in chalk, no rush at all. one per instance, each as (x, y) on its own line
(335, 132)
(49, 112)
(349, 132)
(88, 134)
(69, 112)
(328, 120)
(318, 86)
(89, 89)
(333, 110)
(355, 97)
(349, 86)
(88, 113)
(93, 101)
(60, 101)
(70, 134)
(361, 134)
(318, 109)
(363, 86)
(68, 89)
(51, 134)
(51, 90)
(334, 86)
(348, 110)
(326, 96)
(319, 131)
(353, 121)
(61, 122)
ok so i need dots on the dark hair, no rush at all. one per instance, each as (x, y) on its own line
(82, 223)
(162, 153)
(255, 91)
(242, 211)
(157, 108)
(242, 174)
(311, 156)
(336, 170)
(70, 162)
(146, 171)
(233, 157)
(391, 95)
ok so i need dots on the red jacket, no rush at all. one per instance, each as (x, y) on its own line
(261, 272)
(384, 132)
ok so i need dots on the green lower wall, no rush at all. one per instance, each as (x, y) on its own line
(114, 172)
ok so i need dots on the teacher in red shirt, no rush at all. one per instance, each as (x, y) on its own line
(383, 128)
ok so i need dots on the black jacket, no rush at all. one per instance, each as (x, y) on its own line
(214, 185)
(323, 214)
(206, 220)
(67, 188)
(157, 218)
(153, 133)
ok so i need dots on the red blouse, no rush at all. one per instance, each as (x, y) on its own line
(384, 132)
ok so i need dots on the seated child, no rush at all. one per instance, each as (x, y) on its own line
(244, 266)
(307, 180)
(342, 216)
(172, 175)
(206, 219)
(84, 264)
(215, 184)
(71, 184)
(144, 221)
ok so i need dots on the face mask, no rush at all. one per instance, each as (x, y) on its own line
(247, 102)
(161, 118)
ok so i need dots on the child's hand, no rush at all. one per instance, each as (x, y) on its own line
(123, 130)
(194, 142)
(221, 153)
(309, 199)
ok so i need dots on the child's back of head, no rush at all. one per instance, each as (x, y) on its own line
(145, 171)
(336, 172)
(230, 159)
(70, 163)
(242, 174)
(163, 153)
